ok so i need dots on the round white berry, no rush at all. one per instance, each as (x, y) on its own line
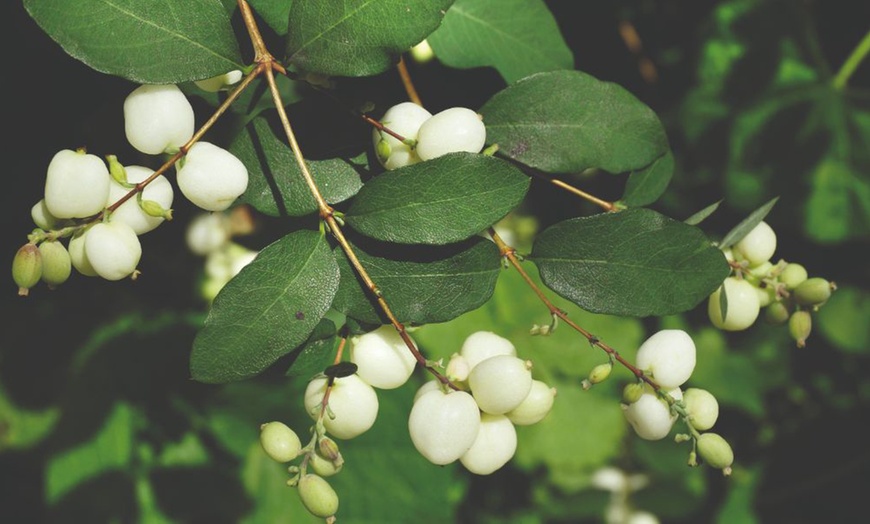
(743, 305)
(219, 82)
(535, 406)
(42, 217)
(207, 233)
(212, 177)
(130, 212)
(651, 416)
(405, 120)
(281, 443)
(452, 130)
(669, 356)
(76, 184)
(157, 118)
(702, 407)
(352, 401)
(113, 249)
(482, 345)
(429, 385)
(500, 384)
(495, 444)
(77, 255)
(382, 358)
(757, 246)
(443, 426)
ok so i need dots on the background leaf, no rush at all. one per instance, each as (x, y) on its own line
(267, 310)
(646, 185)
(517, 37)
(357, 37)
(747, 224)
(150, 41)
(636, 262)
(568, 121)
(440, 201)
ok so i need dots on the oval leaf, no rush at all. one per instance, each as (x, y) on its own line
(422, 285)
(568, 121)
(275, 183)
(357, 37)
(635, 263)
(267, 310)
(146, 41)
(439, 201)
(517, 37)
(646, 185)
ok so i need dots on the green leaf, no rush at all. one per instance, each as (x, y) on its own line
(646, 185)
(318, 351)
(110, 449)
(440, 201)
(843, 320)
(276, 13)
(747, 224)
(357, 37)
(420, 284)
(839, 204)
(568, 121)
(276, 186)
(636, 262)
(517, 37)
(699, 216)
(146, 41)
(267, 310)
(21, 428)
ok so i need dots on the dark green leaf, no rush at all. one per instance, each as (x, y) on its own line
(699, 217)
(568, 121)
(357, 37)
(22, 428)
(146, 41)
(636, 262)
(747, 224)
(421, 285)
(276, 186)
(646, 185)
(839, 204)
(517, 37)
(317, 353)
(276, 13)
(268, 309)
(843, 320)
(439, 201)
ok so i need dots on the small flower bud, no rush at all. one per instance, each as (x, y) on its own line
(776, 313)
(56, 263)
(693, 459)
(793, 275)
(600, 373)
(116, 169)
(813, 292)
(632, 392)
(154, 209)
(328, 448)
(800, 324)
(317, 496)
(27, 268)
(716, 451)
(383, 150)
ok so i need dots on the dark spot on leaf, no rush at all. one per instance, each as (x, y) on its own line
(519, 149)
(300, 315)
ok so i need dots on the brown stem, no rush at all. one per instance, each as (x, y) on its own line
(603, 204)
(407, 82)
(381, 127)
(511, 255)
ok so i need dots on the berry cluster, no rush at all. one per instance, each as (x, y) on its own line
(210, 235)
(89, 200)
(426, 136)
(783, 289)
(668, 359)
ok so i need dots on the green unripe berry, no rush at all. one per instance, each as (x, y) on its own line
(279, 441)
(800, 324)
(27, 268)
(813, 292)
(56, 263)
(632, 392)
(716, 451)
(702, 407)
(600, 373)
(793, 275)
(776, 313)
(324, 466)
(317, 496)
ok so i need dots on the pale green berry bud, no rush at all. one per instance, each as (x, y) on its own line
(42, 217)
(329, 449)
(793, 275)
(693, 459)
(457, 368)
(317, 496)
(281, 443)
(26, 268)
(154, 209)
(116, 169)
(776, 313)
(56, 263)
(761, 270)
(323, 466)
(800, 324)
(632, 392)
(813, 291)
(702, 407)
(383, 150)
(716, 452)
(766, 295)
(600, 373)
(422, 52)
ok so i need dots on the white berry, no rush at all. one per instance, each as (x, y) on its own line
(352, 401)
(500, 384)
(42, 217)
(743, 305)
(382, 358)
(535, 406)
(482, 345)
(495, 444)
(212, 177)
(405, 120)
(757, 246)
(429, 385)
(158, 118)
(443, 426)
(669, 356)
(113, 249)
(219, 82)
(207, 233)
(130, 212)
(78, 257)
(651, 416)
(450, 131)
(76, 185)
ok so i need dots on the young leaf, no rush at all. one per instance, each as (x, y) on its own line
(146, 41)
(568, 121)
(275, 183)
(517, 37)
(269, 308)
(421, 284)
(357, 37)
(699, 217)
(747, 224)
(440, 201)
(646, 185)
(636, 262)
